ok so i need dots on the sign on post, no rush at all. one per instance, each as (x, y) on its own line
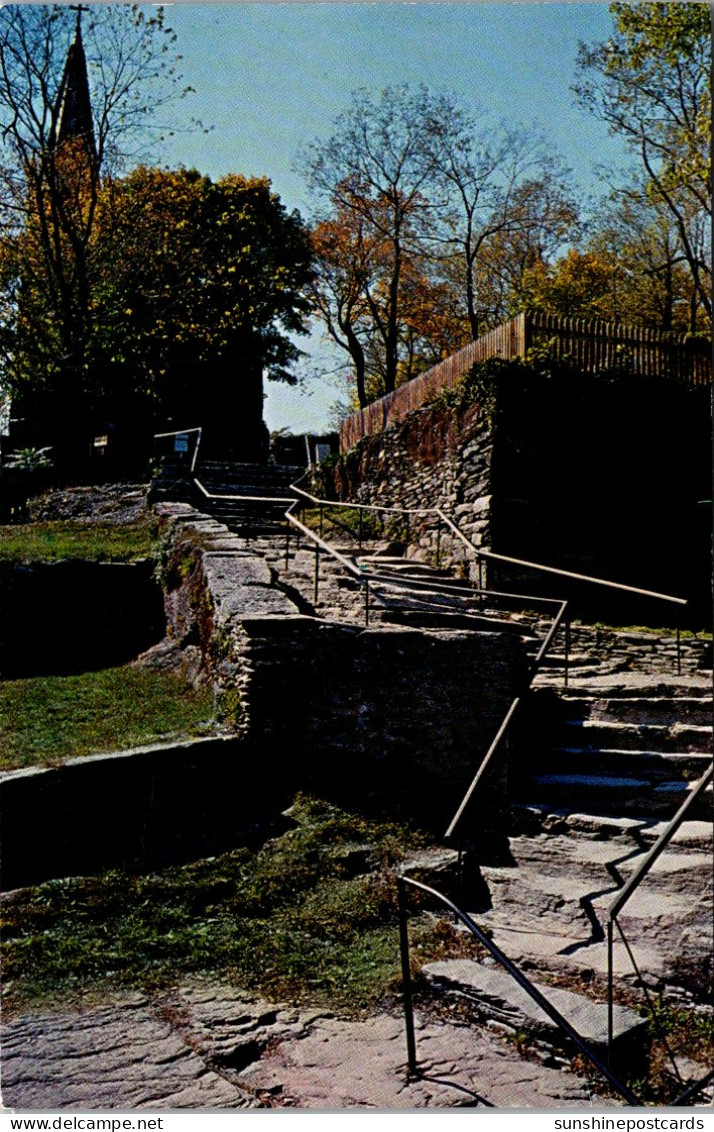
(181, 442)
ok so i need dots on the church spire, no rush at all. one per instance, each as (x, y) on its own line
(74, 108)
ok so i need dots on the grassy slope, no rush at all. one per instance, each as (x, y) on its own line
(290, 920)
(96, 542)
(48, 718)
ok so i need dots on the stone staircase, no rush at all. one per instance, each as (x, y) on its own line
(599, 768)
(628, 744)
(265, 488)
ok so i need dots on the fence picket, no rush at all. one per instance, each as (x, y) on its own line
(593, 346)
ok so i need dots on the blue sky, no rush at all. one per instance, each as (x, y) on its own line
(271, 77)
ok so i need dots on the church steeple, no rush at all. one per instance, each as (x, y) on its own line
(73, 118)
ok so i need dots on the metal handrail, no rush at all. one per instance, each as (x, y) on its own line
(248, 498)
(630, 887)
(360, 506)
(556, 570)
(560, 616)
(365, 580)
(522, 980)
(185, 432)
(660, 844)
(391, 582)
(492, 555)
(497, 740)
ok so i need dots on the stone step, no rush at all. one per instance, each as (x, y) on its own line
(654, 766)
(238, 506)
(401, 565)
(679, 871)
(411, 584)
(218, 471)
(564, 862)
(667, 928)
(550, 906)
(692, 834)
(494, 995)
(447, 619)
(661, 710)
(641, 685)
(610, 795)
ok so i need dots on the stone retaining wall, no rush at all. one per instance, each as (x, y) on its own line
(148, 807)
(339, 697)
(382, 715)
(599, 477)
(434, 458)
(643, 652)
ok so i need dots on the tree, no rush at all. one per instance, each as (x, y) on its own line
(67, 117)
(651, 281)
(651, 82)
(505, 200)
(343, 254)
(374, 173)
(429, 218)
(201, 285)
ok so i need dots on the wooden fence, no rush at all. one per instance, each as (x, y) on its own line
(589, 345)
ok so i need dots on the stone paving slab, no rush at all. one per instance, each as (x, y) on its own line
(363, 1065)
(207, 1046)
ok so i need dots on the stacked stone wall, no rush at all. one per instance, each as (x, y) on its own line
(597, 476)
(341, 698)
(437, 457)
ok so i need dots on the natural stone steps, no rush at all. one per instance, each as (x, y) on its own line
(547, 908)
(446, 619)
(610, 795)
(651, 765)
(267, 486)
(598, 748)
(664, 711)
(492, 994)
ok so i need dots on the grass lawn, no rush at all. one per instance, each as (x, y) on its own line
(290, 920)
(96, 542)
(48, 718)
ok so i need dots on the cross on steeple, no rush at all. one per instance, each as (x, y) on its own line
(78, 8)
(74, 107)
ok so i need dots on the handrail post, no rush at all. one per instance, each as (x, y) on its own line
(317, 571)
(406, 978)
(610, 1006)
(438, 544)
(679, 648)
(287, 545)
(366, 603)
(321, 519)
(359, 533)
(407, 532)
(567, 649)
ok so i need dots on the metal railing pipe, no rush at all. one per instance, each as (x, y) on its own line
(483, 769)
(185, 432)
(489, 554)
(317, 573)
(247, 498)
(406, 976)
(344, 562)
(531, 990)
(660, 844)
(503, 729)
